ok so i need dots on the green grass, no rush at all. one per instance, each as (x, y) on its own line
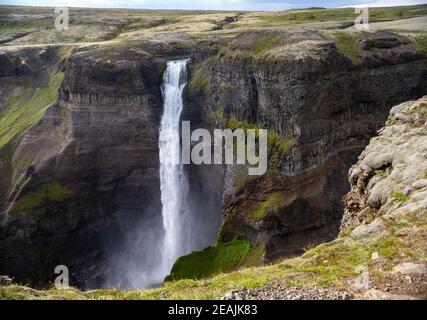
(329, 264)
(346, 45)
(241, 177)
(277, 146)
(264, 44)
(49, 192)
(420, 41)
(274, 141)
(382, 172)
(292, 17)
(388, 247)
(399, 196)
(199, 80)
(274, 202)
(6, 154)
(390, 121)
(220, 258)
(27, 107)
(257, 49)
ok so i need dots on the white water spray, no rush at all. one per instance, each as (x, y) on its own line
(188, 223)
(173, 181)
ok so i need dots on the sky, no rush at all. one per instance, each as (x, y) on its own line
(258, 5)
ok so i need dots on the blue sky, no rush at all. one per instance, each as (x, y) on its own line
(212, 4)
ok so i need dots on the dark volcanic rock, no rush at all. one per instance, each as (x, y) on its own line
(86, 175)
(7, 65)
(302, 88)
(95, 154)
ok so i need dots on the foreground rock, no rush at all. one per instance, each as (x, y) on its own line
(277, 292)
(389, 180)
(385, 213)
(5, 280)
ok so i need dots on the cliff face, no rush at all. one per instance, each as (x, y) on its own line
(89, 169)
(323, 108)
(388, 200)
(380, 253)
(80, 181)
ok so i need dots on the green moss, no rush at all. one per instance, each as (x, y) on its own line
(264, 44)
(420, 41)
(329, 264)
(228, 222)
(200, 80)
(50, 192)
(255, 256)
(281, 144)
(27, 107)
(399, 196)
(274, 202)
(383, 172)
(220, 258)
(346, 45)
(218, 114)
(390, 121)
(241, 177)
(6, 154)
(277, 146)
(388, 247)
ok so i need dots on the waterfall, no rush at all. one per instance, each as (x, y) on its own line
(188, 223)
(173, 181)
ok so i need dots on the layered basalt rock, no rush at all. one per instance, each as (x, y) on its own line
(90, 170)
(298, 85)
(85, 176)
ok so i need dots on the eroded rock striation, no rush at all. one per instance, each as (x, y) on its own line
(321, 107)
(80, 178)
(89, 169)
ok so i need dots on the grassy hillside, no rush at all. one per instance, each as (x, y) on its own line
(27, 25)
(336, 264)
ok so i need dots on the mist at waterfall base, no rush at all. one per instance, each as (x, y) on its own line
(189, 216)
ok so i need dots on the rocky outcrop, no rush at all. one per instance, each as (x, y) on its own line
(383, 230)
(322, 107)
(390, 178)
(18, 65)
(387, 204)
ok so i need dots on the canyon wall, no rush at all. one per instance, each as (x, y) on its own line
(322, 105)
(80, 183)
(90, 171)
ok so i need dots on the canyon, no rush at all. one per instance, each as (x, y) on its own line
(81, 172)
